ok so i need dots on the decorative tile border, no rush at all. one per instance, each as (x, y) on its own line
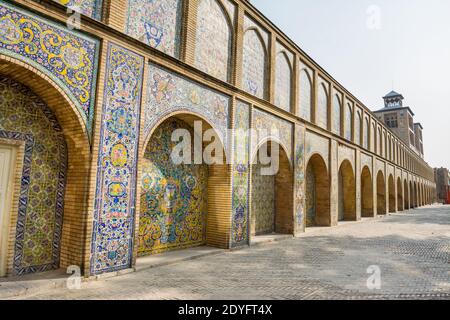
(299, 182)
(69, 58)
(114, 216)
(241, 176)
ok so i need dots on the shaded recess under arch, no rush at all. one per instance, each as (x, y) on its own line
(381, 194)
(346, 193)
(272, 193)
(182, 205)
(392, 195)
(400, 202)
(366, 193)
(317, 193)
(69, 185)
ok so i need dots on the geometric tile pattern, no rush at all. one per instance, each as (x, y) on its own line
(69, 58)
(241, 175)
(263, 201)
(114, 215)
(156, 23)
(25, 117)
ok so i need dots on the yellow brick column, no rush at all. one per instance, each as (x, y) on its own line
(115, 13)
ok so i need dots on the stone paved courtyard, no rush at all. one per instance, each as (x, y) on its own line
(412, 250)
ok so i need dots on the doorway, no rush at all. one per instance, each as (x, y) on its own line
(7, 162)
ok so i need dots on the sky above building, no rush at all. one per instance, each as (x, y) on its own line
(374, 46)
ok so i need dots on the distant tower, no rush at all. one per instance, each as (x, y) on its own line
(393, 100)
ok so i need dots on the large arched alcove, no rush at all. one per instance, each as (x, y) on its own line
(392, 194)
(184, 200)
(407, 203)
(317, 193)
(346, 193)
(366, 193)
(51, 165)
(400, 202)
(272, 191)
(416, 195)
(412, 195)
(381, 194)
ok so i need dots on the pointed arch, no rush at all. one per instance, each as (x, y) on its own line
(283, 81)
(381, 194)
(214, 39)
(392, 194)
(346, 192)
(306, 95)
(254, 63)
(317, 193)
(322, 107)
(367, 210)
(336, 115)
(400, 201)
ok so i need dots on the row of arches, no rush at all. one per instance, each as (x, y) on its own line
(378, 197)
(180, 206)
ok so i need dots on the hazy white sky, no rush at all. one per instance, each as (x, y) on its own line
(408, 46)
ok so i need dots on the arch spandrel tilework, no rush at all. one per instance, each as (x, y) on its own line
(68, 57)
(317, 144)
(90, 8)
(114, 215)
(275, 128)
(25, 118)
(168, 93)
(156, 23)
(241, 176)
(213, 39)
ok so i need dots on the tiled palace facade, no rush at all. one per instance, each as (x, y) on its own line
(86, 114)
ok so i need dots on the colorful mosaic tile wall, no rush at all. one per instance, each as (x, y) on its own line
(156, 23)
(241, 175)
(263, 201)
(25, 118)
(114, 215)
(299, 174)
(254, 58)
(173, 197)
(305, 95)
(283, 78)
(213, 39)
(68, 57)
(90, 8)
(276, 128)
(322, 106)
(336, 115)
(169, 93)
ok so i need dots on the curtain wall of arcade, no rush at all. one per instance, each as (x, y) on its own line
(108, 97)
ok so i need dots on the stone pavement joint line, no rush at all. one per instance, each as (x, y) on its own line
(412, 251)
